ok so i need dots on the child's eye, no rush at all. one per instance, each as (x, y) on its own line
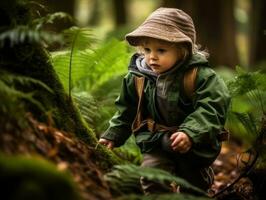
(147, 50)
(161, 50)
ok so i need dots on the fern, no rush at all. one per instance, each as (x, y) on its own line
(124, 179)
(39, 23)
(77, 40)
(27, 29)
(22, 80)
(14, 115)
(22, 34)
(245, 126)
(10, 95)
(90, 68)
(129, 151)
(251, 84)
(32, 32)
(250, 87)
(87, 106)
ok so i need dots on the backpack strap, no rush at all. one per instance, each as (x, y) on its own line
(148, 123)
(189, 85)
(139, 85)
(189, 82)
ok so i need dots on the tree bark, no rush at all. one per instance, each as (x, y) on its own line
(94, 13)
(67, 6)
(257, 32)
(120, 11)
(185, 5)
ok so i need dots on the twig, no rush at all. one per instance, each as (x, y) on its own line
(244, 174)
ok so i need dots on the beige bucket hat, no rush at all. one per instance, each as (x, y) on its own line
(169, 24)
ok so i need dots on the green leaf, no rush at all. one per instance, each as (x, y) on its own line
(125, 178)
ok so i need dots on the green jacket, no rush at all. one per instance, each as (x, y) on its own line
(202, 118)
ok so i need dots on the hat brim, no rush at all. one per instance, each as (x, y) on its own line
(161, 33)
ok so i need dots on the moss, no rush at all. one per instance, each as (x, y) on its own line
(34, 178)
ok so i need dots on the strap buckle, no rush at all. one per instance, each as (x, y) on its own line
(151, 125)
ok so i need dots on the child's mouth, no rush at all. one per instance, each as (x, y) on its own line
(154, 66)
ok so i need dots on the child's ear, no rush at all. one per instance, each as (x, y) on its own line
(185, 53)
(185, 50)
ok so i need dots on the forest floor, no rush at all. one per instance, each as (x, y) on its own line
(63, 149)
(69, 153)
(227, 168)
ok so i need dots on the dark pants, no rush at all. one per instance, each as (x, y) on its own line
(178, 165)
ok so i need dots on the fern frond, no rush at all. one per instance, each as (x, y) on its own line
(242, 84)
(22, 34)
(38, 23)
(129, 151)
(9, 82)
(78, 38)
(249, 122)
(105, 94)
(91, 68)
(87, 106)
(12, 80)
(247, 81)
(14, 96)
(124, 179)
(251, 85)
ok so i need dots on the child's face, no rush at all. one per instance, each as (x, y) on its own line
(161, 55)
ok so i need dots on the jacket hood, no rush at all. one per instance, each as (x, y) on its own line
(197, 59)
(138, 64)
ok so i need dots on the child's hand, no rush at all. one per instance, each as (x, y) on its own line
(108, 143)
(180, 142)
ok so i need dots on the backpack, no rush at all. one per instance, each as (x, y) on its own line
(189, 81)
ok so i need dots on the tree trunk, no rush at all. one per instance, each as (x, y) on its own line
(120, 11)
(94, 16)
(67, 6)
(257, 32)
(185, 5)
(216, 30)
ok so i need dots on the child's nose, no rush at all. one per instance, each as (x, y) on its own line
(153, 55)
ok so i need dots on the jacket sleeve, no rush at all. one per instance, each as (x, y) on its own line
(120, 124)
(210, 105)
